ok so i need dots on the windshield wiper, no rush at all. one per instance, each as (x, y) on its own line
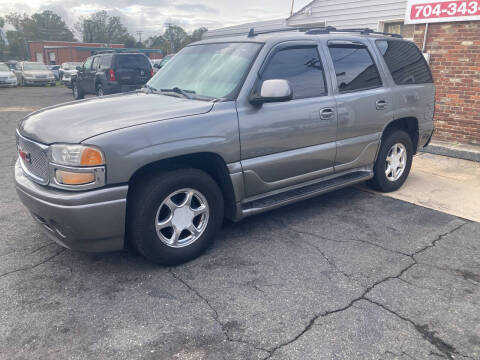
(152, 89)
(177, 90)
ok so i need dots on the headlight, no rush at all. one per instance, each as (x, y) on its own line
(76, 155)
(76, 167)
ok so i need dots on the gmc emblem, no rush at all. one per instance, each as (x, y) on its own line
(25, 156)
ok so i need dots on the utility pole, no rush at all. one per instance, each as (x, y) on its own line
(291, 10)
(139, 33)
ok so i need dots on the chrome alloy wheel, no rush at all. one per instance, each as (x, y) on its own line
(182, 218)
(396, 162)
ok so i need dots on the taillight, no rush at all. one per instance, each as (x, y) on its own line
(151, 72)
(111, 75)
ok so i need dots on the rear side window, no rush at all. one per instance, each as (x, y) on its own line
(302, 67)
(405, 62)
(106, 61)
(133, 61)
(354, 68)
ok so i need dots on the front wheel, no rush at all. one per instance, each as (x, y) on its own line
(174, 216)
(77, 91)
(99, 90)
(393, 163)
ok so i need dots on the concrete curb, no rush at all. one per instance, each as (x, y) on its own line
(452, 152)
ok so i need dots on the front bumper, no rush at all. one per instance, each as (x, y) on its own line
(67, 82)
(86, 221)
(7, 83)
(32, 81)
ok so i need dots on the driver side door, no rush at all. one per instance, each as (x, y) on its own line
(291, 142)
(82, 76)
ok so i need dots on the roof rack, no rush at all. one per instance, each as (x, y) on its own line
(362, 31)
(253, 33)
(322, 30)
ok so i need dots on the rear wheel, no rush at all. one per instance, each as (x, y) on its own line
(174, 216)
(393, 163)
(77, 91)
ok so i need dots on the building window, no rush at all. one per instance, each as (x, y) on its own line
(398, 27)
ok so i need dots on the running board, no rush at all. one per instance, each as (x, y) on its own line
(301, 193)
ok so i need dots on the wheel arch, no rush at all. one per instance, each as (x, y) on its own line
(408, 124)
(212, 163)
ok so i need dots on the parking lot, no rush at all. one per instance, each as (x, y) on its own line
(347, 275)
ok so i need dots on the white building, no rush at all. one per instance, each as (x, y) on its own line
(378, 15)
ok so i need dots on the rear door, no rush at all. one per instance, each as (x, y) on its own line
(132, 69)
(287, 143)
(364, 102)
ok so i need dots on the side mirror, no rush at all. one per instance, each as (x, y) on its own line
(275, 90)
(157, 66)
(79, 68)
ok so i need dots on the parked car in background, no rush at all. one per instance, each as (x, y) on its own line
(159, 63)
(55, 70)
(7, 76)
(66, 71)
(111, 73)
(34, 73)
(235, 127)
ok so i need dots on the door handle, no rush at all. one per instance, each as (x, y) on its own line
(381, 105)
(326, 114)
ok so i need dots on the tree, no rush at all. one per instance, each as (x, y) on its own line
(17, 46)
(103, 28)
(175, 37)
(198, 33)
(41, 26)
(3, 43)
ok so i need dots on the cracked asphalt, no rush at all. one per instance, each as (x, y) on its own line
(347, 275)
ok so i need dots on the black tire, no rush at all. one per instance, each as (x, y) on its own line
(99, 90)
(147, 197)
(77, 91)
(380, 181)
(53, 84)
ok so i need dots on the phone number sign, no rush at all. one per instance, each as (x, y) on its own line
(421, 11)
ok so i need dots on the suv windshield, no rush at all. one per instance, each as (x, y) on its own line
(4, 67)
(210, 70)
(34, 66)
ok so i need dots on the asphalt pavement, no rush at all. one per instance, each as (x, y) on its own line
(348, 275)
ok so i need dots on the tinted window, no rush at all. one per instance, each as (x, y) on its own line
(133, 61)
(354, 68)
(302, 67)
(106, 61)
(405, 62)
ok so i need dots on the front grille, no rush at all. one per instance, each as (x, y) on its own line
(36, 165)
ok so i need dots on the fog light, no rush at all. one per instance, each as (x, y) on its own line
(73, 178)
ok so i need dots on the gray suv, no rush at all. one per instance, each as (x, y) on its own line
(228, 128)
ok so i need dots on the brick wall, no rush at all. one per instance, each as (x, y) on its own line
(454, 50)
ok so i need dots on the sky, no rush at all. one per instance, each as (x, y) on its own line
(150, 16)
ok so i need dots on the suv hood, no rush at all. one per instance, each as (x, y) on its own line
(76, 121)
